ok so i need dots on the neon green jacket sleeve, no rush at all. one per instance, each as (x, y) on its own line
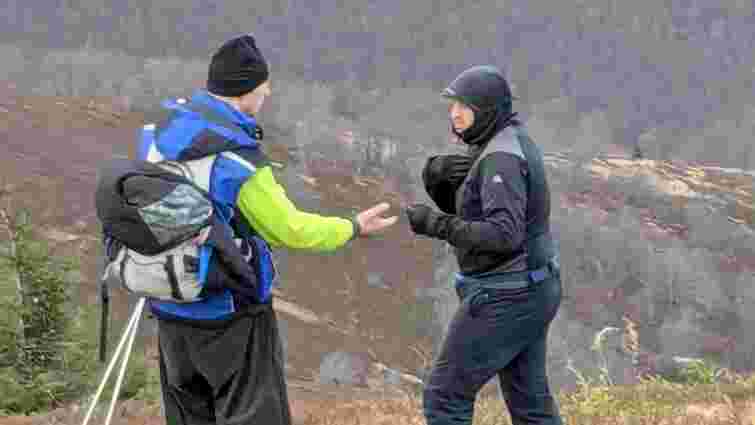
(269, 211)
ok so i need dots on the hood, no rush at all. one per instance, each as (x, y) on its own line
(485, 90)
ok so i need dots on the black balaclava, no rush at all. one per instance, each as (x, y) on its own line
(237, 68)
(485, 90)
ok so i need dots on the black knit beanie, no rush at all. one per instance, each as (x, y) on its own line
(237, 68)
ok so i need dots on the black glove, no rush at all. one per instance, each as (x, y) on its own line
(424, 221)
(442, 176)
(446, 168)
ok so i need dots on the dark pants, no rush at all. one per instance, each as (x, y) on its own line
(232, 375)
(496, 331)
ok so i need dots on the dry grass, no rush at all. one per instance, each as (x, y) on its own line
(647, 408)
(654, 402)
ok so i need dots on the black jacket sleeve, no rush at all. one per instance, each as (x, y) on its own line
(503, 191)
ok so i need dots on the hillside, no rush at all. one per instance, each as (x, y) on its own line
(379, 301)
(55, 180)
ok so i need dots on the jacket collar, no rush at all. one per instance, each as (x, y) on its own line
(225, 109)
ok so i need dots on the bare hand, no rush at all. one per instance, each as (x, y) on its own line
(371, 222)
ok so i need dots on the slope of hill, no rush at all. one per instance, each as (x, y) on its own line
(380, 300)
(55, 146)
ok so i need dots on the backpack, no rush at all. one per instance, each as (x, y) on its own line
(165, 236)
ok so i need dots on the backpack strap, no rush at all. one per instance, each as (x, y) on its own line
(200, 170)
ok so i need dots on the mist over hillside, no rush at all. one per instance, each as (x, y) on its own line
(678, 67)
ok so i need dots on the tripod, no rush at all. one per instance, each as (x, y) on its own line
(129, 334)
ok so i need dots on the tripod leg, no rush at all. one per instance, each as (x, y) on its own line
(116, 354)
(124, 362)
(105, 298)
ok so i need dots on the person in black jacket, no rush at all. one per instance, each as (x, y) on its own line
(495, 212)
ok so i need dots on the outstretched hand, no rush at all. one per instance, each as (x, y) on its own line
(419, 215)
(426, 221)
(371, 222)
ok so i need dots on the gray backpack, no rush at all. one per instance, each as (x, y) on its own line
(165, 236)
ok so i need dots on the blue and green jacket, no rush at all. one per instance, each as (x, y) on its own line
(243, 181)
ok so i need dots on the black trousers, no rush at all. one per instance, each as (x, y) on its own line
(497, 332)
(232, 375)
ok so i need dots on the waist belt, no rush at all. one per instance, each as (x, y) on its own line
(466, 285)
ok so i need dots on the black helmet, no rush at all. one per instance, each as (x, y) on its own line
(485, 90)
(481, 87)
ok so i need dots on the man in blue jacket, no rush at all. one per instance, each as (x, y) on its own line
(495, 213)
(220, 358)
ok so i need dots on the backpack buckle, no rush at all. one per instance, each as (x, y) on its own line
(539, 275)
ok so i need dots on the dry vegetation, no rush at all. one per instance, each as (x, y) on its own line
(653, 402)
(650, 402)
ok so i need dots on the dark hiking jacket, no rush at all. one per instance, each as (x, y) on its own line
(504, 206)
